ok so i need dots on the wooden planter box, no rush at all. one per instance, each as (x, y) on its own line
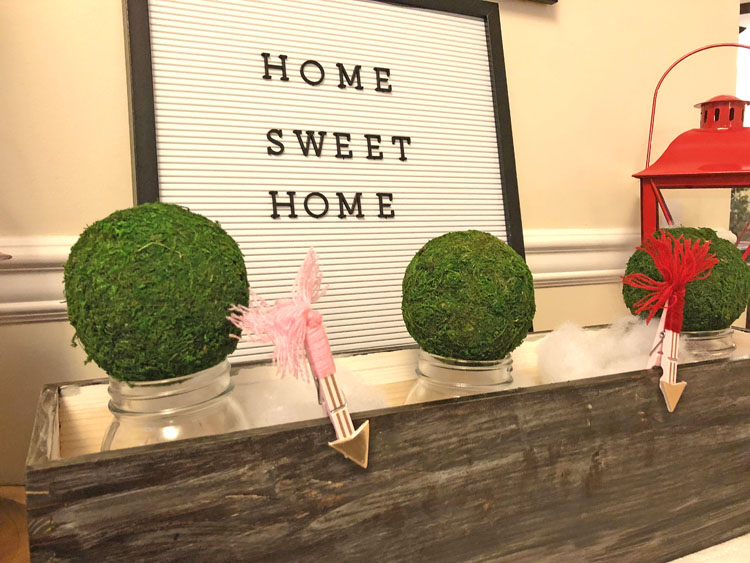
(589, 470)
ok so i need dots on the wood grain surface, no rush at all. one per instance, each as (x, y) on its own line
(593, 470)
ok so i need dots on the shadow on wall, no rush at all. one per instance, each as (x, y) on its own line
(538, 9)
(31, 355)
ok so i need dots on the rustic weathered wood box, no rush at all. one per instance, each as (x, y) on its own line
(589, 470)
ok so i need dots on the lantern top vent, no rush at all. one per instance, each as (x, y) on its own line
(720, 146)
(722, 112)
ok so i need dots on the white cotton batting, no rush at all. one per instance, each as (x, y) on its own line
(570, 352)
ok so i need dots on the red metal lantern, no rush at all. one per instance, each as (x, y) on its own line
(715, 155)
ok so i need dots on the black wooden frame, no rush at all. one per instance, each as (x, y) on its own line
(144, 126)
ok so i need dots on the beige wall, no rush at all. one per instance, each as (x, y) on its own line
(581, 78)
(581, 74)
(64, 140)
(64, 163)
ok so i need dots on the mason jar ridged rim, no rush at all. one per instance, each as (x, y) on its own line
(169, 395)
(709, 344)
(474, 375)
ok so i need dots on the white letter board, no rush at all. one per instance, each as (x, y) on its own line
(411, 97)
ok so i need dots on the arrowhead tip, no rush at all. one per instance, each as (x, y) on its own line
(357, 446)
(672, 393)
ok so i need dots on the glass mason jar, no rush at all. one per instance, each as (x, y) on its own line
(149, 412)
(439, 377)
(697, 346)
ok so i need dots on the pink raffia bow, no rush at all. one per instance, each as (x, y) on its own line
(285, 323)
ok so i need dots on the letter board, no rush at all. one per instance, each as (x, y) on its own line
(363, 128)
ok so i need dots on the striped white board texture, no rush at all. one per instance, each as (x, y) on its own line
(214, 109)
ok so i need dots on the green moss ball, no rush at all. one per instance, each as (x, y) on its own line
(468, 295)
(148, 291)
(710, 304)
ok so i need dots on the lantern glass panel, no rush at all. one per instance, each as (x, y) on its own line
(739, 214)
(699, 207)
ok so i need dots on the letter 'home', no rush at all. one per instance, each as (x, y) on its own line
(375, 280)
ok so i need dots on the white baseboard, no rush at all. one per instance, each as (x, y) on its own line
(31, 287)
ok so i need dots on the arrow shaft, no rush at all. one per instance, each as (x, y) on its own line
(323, 369)
(657, 350)
(671, 343)
(665, 350)
(669, 357)
(664, 354)
(336, 407)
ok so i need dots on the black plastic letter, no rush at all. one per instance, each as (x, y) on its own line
(401, 142)
(305, 147)
(325, 204)
(356, 205)
(385, 205)
(280, 134)
(281, 67)
(276, 205)
(304, 75)
(343, 76)
(371, 147)
(340, 145)
(380, 80)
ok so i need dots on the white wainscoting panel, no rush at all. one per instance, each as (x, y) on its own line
(31, 282)
(567, 257)
(31, 287)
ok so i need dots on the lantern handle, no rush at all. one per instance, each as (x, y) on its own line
(663, 76)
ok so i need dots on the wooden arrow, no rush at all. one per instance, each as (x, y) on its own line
(664, 353)
(297, 333)
(354, 444)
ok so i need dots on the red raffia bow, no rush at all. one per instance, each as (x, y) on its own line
(679, 261)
